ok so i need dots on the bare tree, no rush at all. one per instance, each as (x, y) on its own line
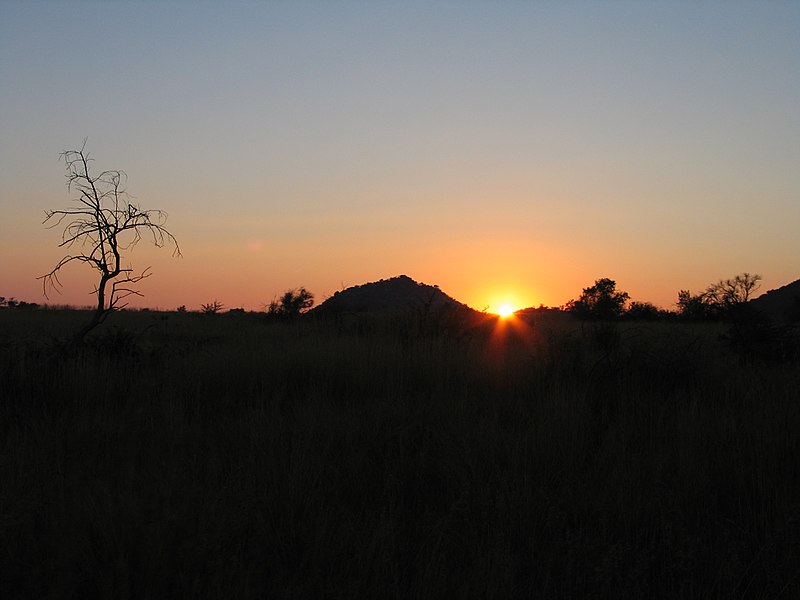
(724, 299)
(732, 292)
(102, 224)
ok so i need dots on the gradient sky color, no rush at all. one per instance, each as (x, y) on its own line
(506, 151)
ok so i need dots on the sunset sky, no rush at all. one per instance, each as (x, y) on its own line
(505, 151)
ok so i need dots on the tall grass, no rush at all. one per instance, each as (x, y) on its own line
(188, 456)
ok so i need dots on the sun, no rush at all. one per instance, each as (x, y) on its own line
(505, 310)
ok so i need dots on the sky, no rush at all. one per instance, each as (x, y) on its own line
(508, 152)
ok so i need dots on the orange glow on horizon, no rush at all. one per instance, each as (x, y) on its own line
(506, 310)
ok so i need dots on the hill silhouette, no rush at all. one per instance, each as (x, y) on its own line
(782, 304)
(397, 294)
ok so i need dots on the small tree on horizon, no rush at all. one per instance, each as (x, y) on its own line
(102, 225)
(211, 308)
(732, 292)
(601, 301)
(723, 299)
(695, 306)
(291, 303)
(646, 311)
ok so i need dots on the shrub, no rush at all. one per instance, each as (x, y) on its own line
(291, 303)
(212, 308)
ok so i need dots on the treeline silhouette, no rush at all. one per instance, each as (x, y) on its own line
(725, 300)
(418, 454)
(14, 303)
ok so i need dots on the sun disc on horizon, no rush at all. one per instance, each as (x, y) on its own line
(505, 310)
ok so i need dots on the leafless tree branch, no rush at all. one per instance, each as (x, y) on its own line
(104, 223)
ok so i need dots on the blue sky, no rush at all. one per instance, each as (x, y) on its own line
(506, 151)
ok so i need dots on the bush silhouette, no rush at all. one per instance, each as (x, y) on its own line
(601, 301)
(291, 303)
(726, 299)
(212, 308)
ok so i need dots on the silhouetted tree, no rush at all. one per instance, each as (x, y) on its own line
(102, 224)
(600, 301)
(644, 310)
(695, 306)
(733, 292)
(725, 299)
(749, 333)
(212, 308)
(12, 303)
(291, 303)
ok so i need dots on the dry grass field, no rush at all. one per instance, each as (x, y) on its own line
(231, 456)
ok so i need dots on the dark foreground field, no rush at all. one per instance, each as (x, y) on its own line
(185, 456)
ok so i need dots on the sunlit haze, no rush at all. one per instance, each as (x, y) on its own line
(505, 310)
(510, 153)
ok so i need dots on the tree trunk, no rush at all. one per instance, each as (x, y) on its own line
(99, 313)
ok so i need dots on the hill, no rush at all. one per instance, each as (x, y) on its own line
(782, 304)
(397, 294)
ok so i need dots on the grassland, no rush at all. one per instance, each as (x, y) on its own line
(181, 455)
